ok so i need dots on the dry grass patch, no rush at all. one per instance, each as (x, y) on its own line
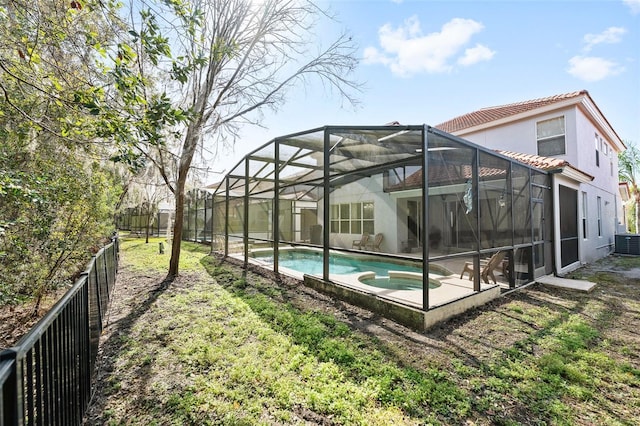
(224, 346)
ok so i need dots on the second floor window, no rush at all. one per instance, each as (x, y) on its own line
(550, 136)
(599, 207)
(598, 141)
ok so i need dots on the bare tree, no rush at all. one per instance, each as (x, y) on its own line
(239, 57)
(629, 171)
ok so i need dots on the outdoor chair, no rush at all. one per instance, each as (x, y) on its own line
(361, 243)
(375, 244)
(487, 266)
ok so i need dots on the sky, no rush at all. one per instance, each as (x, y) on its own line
(425, 62)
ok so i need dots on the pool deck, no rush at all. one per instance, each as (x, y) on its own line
(451, 297)
(451, 287)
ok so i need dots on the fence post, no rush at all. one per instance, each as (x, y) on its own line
(86, 363)
(195, 217)
(11, 404)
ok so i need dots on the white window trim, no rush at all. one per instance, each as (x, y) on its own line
(350, 219)
(599, 213)
(598, 142)
(564, 123)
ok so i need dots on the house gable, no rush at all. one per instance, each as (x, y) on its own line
(581, 150)
(501, 115)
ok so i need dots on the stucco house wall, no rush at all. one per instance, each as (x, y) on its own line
(606, 174)
(367, 190)
(520, 136)
(604, 185)
(580, 151)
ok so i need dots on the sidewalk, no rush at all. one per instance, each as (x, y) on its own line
(580, 285)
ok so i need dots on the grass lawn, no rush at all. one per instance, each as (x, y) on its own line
(219, 346)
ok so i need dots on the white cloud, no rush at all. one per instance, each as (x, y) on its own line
(610, 36)
(406, 51)
(591, 68)
(396, 1)
(476, 54)
(634, 5)
(373, 56)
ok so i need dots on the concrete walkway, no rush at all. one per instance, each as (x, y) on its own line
(579, 285)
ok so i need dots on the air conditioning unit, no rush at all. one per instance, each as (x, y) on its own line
(628, 244)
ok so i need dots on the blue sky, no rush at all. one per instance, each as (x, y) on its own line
(429, 61)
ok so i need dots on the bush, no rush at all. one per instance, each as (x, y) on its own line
(56, 211)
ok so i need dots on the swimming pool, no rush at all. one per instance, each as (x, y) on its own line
(310, 262)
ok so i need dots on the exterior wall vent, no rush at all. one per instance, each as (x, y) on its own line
(628, 244)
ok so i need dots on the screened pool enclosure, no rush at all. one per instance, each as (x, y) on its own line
(408, 214)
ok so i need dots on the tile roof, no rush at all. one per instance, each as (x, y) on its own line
(445, 174)
(548, 164)
(537, 161)
(489, 114)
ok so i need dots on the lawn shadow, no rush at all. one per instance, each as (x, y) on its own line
(318, 322)
(528, 337)
(123, 314)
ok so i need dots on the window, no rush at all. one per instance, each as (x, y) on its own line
(599, 206)
(335, 223)
(601, 147)
(584, 215)
(344, 219)
(367, 218)
(352, 218)
(356, 218)
(550, 136)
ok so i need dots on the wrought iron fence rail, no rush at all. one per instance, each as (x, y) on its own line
(46, 377)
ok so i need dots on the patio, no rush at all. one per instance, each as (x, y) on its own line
(328, 188)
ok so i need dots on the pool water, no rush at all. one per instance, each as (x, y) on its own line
(395, 283)
(310, 262)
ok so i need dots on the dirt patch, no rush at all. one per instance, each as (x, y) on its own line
(135, 293)
(463, 346)
(17, 320)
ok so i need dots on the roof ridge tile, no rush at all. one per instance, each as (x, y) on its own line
(494, 113)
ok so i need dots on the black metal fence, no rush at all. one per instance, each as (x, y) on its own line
(46, 377)
(197, 221)
(135, 220)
